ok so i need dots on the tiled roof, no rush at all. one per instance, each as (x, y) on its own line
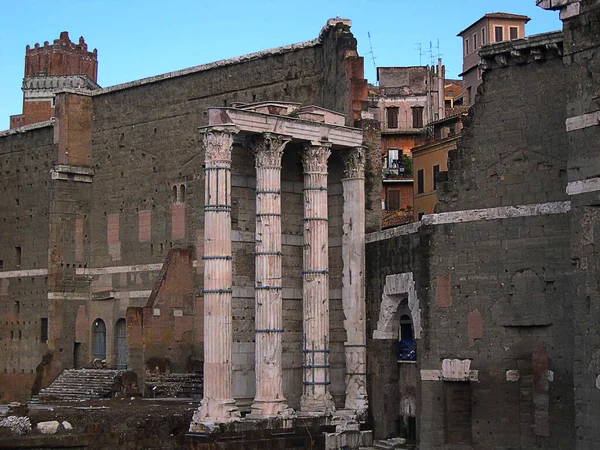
(394, 218)
(497, 15)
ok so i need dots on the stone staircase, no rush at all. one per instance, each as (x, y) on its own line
(348, 433)
(174, 385)
(79, 385)
(388, 444)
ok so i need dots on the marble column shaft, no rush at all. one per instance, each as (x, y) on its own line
(353, 280)
(217, 404)
(270, 400)
(316, 397)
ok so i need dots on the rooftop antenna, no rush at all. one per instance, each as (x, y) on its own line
(372, 54)
(418, 47)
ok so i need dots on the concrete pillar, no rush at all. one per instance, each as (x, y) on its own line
(269, 400)
(218, 404)
(316, 398)
(353, 281)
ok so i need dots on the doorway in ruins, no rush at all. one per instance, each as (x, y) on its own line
(121, 344)
(99, 339)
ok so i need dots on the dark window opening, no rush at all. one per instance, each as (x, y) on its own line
(44, 329)
(474, 41)
(18, 255)
(174, 196)
(17, 307)
(421, 214)
(1, 264)
(514, 32)
(466, 46)
(469, 96)
(482, 36)
(499, 34)
(392, 117)
(420, 181)
(436, 171)
(181, 195)
(418, 117)
(407, 348)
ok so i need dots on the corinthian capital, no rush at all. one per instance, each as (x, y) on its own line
(268, 149)
(314, 157)
(354, 163)
(217, 144)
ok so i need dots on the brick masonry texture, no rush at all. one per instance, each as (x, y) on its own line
(133, 144)
(517, 297)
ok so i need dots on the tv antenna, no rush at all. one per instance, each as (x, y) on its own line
(433, 53)
(372, 53)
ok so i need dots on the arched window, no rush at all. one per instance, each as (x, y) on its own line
(174, 195)
(181, 196)
(99, 339)
(406, 328)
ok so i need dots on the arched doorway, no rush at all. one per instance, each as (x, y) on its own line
(121, 343)
(99, 331)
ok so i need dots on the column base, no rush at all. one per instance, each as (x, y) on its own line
(316, 405)
(267, 409)
(359, 405)
(212, 412)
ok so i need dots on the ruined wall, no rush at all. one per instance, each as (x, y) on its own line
(25, 162)
(499, 290)
(582, 41)
(390, 252)
(512, 149)
(147, 194)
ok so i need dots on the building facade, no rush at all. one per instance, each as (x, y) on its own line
(493, 27)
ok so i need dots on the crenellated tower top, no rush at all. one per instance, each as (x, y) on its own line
(60, 58)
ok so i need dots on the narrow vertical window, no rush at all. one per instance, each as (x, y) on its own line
(514, 32)
(174, 195)
(483, 37)
(474, 42)
(393, 158)
(417, 117)
(392, 117)
(182, 193)
(436, 171)
(18, 255)
(44, 329)
(466, 46)
(499, 34)
(420, 181)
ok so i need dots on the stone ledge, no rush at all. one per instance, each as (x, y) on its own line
(72, 173)
(526, 50)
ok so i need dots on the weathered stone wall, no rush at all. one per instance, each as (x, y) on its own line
(581, 57)
(512, 149)
(494, 287)
(388, 255)
(25, 162)
(132, 188)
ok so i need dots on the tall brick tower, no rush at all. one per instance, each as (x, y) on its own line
(52, 68)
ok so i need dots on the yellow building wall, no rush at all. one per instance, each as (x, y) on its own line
(424, 159)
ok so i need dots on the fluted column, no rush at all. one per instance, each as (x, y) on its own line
(269, 400)
(217, 404)
(353, 281)
(316, 397)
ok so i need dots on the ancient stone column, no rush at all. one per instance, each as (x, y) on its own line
(316, 398)
(269, 400)
(218, 404)
(353, 281)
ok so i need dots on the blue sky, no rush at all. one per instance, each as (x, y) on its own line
(137, 39)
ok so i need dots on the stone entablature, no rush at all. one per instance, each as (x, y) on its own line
(521, 51)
